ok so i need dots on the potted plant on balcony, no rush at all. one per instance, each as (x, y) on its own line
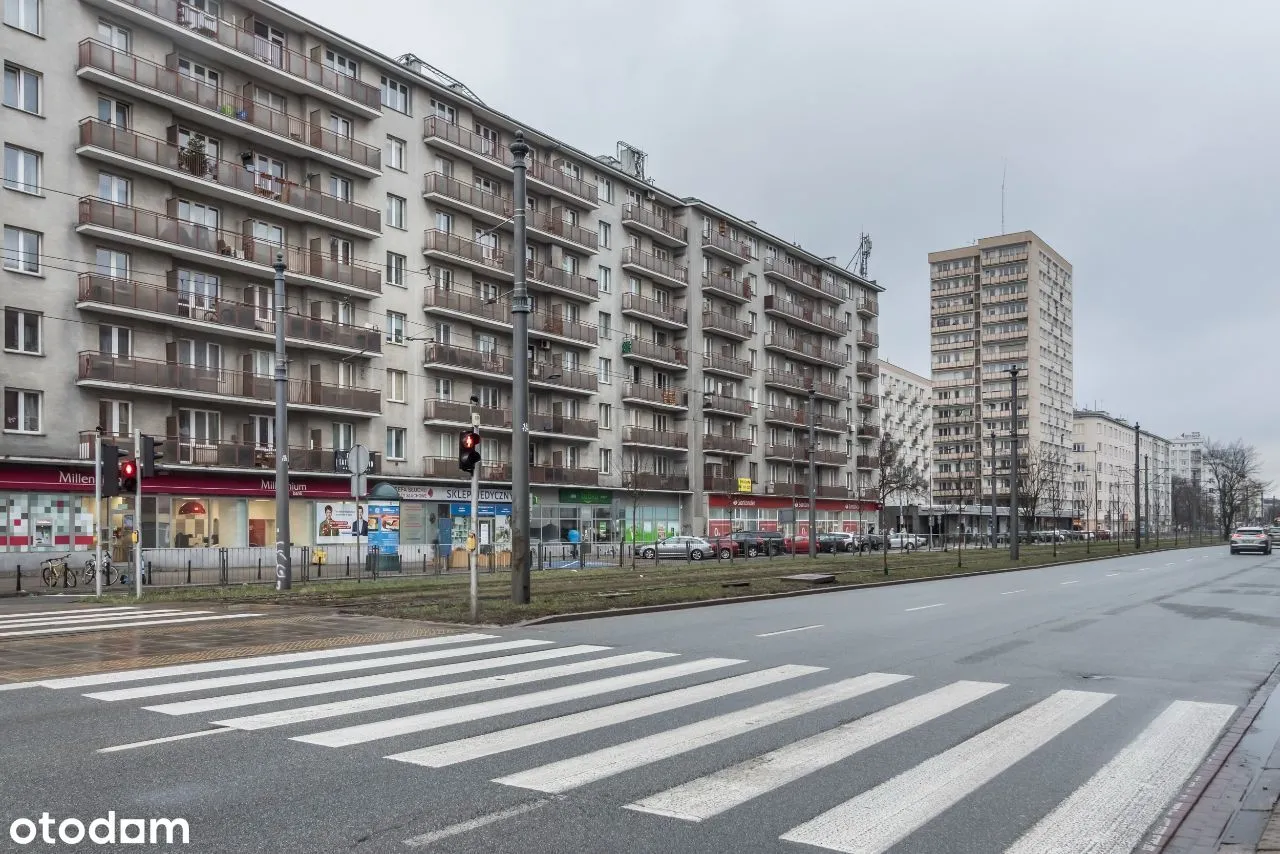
(194, 158)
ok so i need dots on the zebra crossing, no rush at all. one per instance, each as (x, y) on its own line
(335, 698)
(71, 620)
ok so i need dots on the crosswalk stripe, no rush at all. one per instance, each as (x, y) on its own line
(567, 774)
(876, 820)
(284, 717)
(148, 623)
(26, 615)
(709, 796)
(492, 708)
(256, 661)
(213, 682)
(466, 749)
(105, 619)
(315, 689)
(1110, 813)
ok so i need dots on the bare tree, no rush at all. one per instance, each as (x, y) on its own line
(895, 476)
(1234, 468)
(1035, 471)
(1054, 464)
(1185, 501)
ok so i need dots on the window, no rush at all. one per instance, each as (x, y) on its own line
(395, 95)
(395, 269)
(340, 250)
(606, 460)
(21, 88)
(604, 190)
(605, 234)
(395, 211)
(21, 411)
(268, 233)
(115, 417)
(395, 385)
(606, 416)
(264, 363)
(395, 327)
(444, 111)
(22, 331)
(115, 341)
(340, 125)
(490, 142)
(346, 374)
(490, 397)
(444, 389)
(606, 324)
(114, 35)
(201, 73)
(197, 427)
(21, 250)
(200, 354)
(21, 170)
(271, 100)
(344, 436)
(340, 187)
(605, 279)
(115, 112)
(263, 429)
(606, 370)
(444, 222)
(395, 153)
(114, 188)
(341, 64)
(268, 43)
(23, 14)
(396, 437)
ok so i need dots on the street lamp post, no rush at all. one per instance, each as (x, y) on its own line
(284, 567)
(520, 376)
(1137, 486)
(1013, 481)
(813, 481)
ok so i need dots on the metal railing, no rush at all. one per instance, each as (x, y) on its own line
(633, 212)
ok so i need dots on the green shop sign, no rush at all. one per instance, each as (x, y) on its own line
(585, 496)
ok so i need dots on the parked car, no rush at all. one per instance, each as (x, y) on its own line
(1250, 539)
(907, 542)
(753, 543)
(695, 548)
(725, 547)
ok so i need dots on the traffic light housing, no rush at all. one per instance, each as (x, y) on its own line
(469, 451)
(151, 454)
(109, 469)
(128, 476)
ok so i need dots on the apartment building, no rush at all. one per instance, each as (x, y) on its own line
(1103, 462)
(906, 416)
(1004, 302)
(160, 156)
(1186, 457)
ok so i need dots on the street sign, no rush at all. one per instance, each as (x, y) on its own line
(358, 459)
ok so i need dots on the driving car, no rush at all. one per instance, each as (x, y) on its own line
(909, 542)
(695, 548)
(1251, 539)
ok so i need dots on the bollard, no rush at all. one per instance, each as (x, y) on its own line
(540, 564)
(424, 563)
(259, 568)
(348, 566)
(19, 578)
(189, 570)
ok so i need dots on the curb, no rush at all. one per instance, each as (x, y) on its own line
(839, 588)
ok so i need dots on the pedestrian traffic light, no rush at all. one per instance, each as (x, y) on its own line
(151, 454)
(110, 483)
(128, 476)
(469, 451)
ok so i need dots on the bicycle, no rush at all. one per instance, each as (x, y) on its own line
(109, 574)
(55, 568)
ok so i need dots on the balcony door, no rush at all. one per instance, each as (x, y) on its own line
(268, 43)
(199, 431)
(198, 294)
(264, 432)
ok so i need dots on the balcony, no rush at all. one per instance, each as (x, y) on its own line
(221, 385)
(868, 401)
(718, 483)
(216, 453)
(868, 339)
(489, 207)
(716, 443)
(867, 370)
(643, 480)
(656, 396)
(723, 404)
(800, 418)
(955, 382)
(555, 375)
(801, 382)
(563, 426)
(718, 284)
(446, 468)
(786, 487)
(663, 269)
(721, 244)
(660, 312)
(241, 320)
(941, 346)
(243, 49)
(804, 316)
(868, 307)
(632, 435)
(552, 178)
(663, 355)
(787, 451)
(487, 363)
(562, 475)
(555, 227)
(550, 424)
(827, 490)
(723, 324)
(241, 253)
(723, 363)
(546, 277)
(810, 351)
(996, 297)
(481, 257)
(866, 462)
(806, 279)
(660, 227)
(868, 431)
(482, 312)
(992, 337)
(223, 179)
(224, 110)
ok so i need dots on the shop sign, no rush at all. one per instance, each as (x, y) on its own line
(459, 508)
(586, 496)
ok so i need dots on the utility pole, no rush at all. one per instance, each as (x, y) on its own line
(284, 567)
(994, 520)
(97, 512)
(137, 512)
(520, 376)
(1146, 493)
(473, 543)
(813, 481)
(1013, 481)
(1137, 487)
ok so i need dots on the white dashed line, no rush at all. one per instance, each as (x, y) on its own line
(1109, 574)
(1069, 582)
(1009, 592)
(788, 631)
(924, 607)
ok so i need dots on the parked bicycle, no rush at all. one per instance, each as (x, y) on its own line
(56, 569)
(109, 574)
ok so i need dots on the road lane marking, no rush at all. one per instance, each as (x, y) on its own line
(65, 612)
(926, 607)
(709, 796)
(880, 818)
(15, 686)
(540, 732)
(106, 620)
(788, 631)
(1009, 592)
(1109, 574)
(1069, 582)
(146, 623)
(165, 740)
(1110, 813)
(477, 823)
(1169, 564)
(568, 774)
(1190, 559)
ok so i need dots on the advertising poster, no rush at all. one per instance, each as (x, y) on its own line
(336, 523)
(384, 527)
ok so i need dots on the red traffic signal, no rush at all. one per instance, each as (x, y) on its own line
(468, 450)
(128, 476)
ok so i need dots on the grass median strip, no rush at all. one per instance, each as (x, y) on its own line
(445, 598)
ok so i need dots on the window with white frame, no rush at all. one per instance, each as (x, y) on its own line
(395, 327)
(604, 190)
(489, 396)
(271, 100)
(344, 65)
(606, 234)
(201, 73)
(114, 188)
(268, 233)
(605, 416)
(264, 363)
(604, 278)
(395, 269)
(396, 381)
(606, 461)
(113, 34)
(444, 111)
(444, 388)
(21, 169)
(396, 440)
(606, 370)
(22, 410)
(340, 187)
(264, 431)
(341, 126)
(346, 374)
(115, 341)
(23, 14)
(22, 88)
(200, 354)
(21, 249)
(114, 112)
(115, 417)
(490, 141)
(605, 325)
(395, 211)
(395, 95)
(344, 435)
(395, 153)
(22, 331)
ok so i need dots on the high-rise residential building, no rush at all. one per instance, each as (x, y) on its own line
(159, 158)
(1003, 302)
(1186, 457)
(906, 416)
(1103, 460)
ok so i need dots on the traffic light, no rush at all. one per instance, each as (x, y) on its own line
(110, 462)
(469, 451)
(151, 454)
(128, 476)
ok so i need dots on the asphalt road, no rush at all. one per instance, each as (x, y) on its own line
(1046, 710)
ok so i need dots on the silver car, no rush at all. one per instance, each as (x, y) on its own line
(695, 548)
(1250, 539)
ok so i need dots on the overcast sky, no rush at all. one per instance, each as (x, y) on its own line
(1141, 140)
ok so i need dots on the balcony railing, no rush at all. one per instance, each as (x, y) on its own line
(563, 280)
(804, 277)
(738, 250)
(868, 307)
(868, 462)
(233, 176)
(223, 382)
(800, 417)
(868, 339)
(553, 176)
(435, 183)
(299, 65)
(651, 481)
(868, 401)
(663, 396)
(664, 267)
(563, 425)
(796, 311)
(802, 382)
(640, 348)
(801, 347)
(826, 490)
(562, 474)
(726, 364)
(634, 213)
(718, 483)
(867, 369)
(539, 321)
(233, 316)
(481, 361)
(717, 443)
(446, 243)
(726, 286)
(661, 438)
(315, 262)
(714, 321)
(549, 223)
(868, 431)
(786, 451)
(435, 127)
(447, 468)
(460, 413)
(201, 453)
(725, 403)
(655, 308)
(168, 81)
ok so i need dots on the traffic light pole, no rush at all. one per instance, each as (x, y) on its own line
(472, 557)
(284, 558)
(137, 514)
(97, 514)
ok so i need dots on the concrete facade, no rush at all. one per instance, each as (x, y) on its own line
(1103, 465)
(906, 414)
